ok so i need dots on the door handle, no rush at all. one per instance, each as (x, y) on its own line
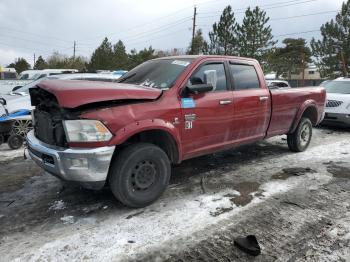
(225, 102)
(264, 98)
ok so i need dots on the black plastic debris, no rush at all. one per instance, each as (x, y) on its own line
(248, 244)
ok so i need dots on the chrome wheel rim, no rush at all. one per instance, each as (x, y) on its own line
(305, 134)
(22, 127)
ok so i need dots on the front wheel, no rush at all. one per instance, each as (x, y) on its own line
(301, 138)
(140, 174)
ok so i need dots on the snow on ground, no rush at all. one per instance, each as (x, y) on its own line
(7, 154)
(121, 236)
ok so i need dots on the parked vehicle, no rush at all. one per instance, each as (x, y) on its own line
(277, 84)
(28, 74)
(338, 102)
(14, 127)
(8, 80)
(164, 111)
(50, 72)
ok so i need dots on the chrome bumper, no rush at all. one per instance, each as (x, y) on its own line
(82, 165)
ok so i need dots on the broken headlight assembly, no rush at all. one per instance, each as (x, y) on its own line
(86, 131)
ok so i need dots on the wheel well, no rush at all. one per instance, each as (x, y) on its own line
(159, 138)
(311, 113)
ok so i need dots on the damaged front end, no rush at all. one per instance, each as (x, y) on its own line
(48, 144)
(48, 116)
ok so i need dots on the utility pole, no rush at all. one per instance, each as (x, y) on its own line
(74, 50)
(194, 26)
(34, 61)
(303, 68)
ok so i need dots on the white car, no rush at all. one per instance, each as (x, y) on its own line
(337, 111)
(20, 98)
(28, 74)
(277, 84)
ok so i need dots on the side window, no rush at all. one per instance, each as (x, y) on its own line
(213, 74)
(244, 77)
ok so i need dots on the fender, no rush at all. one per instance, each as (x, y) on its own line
(307, 104)
(136, 127)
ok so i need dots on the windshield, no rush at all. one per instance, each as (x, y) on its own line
(160, 73)
(338, 87)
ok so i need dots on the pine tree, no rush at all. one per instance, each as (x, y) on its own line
(292, 58)
(198, 45)
(254, 35)
(136, 58)
(223, 37)
(332, 52)
(102, 57)
(40, 64)
(120, 56)
(20, 65)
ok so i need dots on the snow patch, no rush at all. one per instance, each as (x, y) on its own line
(58, 205)
(68, 219)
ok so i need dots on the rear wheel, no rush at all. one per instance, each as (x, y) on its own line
(140, 174)
(2, 139)
(301, 138)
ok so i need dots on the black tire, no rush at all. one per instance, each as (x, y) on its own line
(301, 138)
(15, 141)
(139, 174)
(2, 139)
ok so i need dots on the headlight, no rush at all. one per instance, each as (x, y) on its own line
(86, 131)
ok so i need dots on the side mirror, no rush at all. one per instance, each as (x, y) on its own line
(16, 88)
(2, 101)
(200, 88)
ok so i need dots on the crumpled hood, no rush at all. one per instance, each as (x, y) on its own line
(75, 93)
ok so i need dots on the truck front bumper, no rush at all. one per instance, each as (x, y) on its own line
(85, 166)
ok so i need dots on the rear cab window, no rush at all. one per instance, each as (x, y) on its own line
(244, 76)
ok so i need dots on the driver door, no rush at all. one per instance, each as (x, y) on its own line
(208, 116)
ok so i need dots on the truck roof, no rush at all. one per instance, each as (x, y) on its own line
(206, 56)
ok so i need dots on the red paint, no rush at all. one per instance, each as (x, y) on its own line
(216, 127)
(71, 94)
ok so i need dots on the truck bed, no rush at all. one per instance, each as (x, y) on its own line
(286, 103)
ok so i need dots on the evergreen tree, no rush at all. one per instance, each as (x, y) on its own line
(198, 45)
(254, 35)
(102, 57)
(292, 58)
(136, 58)
(332, 52)
(20, 65)
(40, 64)
(223, 37)
(121, 60)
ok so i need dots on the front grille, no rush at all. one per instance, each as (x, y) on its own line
(333, 103)
(48, 129)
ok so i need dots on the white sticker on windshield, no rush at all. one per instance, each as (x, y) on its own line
(181, 63)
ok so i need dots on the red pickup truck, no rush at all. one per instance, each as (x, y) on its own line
(166, 110)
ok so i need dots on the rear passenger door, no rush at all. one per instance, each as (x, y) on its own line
(252, 103)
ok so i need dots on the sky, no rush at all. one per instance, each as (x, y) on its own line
(40, 27)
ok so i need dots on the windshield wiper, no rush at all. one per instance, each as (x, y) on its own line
(121, 80)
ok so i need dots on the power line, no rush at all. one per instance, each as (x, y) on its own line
(30, 40)
(297, 16)
(299, 33)
(34, 34)
(272, 7)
